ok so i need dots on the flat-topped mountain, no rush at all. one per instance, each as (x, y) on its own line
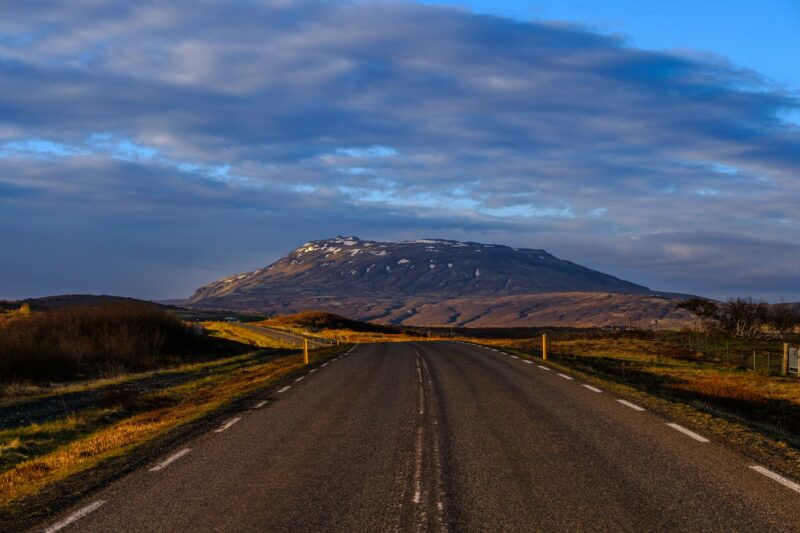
(351, 267)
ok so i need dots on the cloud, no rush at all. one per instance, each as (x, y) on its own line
(266, 124)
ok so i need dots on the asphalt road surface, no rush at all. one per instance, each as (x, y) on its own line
(443, 436)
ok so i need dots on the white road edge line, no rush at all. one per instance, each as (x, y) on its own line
(689, 432)
(565, 376)
(74, 517)
(172, 458)
(593, 389)
(260, 404)
(543, 367)
(631, 405)
(777, 477)
(287, 387)
(227, 424)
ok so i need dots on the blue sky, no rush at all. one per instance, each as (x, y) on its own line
(756, 34)
(148, 148)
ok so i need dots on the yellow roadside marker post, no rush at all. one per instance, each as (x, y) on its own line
(305, 351)
(544, 346)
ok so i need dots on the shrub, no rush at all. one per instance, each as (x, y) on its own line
(320, 320)
(68, 342)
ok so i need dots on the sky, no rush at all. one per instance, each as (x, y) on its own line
(148, 148)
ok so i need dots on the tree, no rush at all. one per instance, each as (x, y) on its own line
(705, 310)
(743, 317)
(783, 318)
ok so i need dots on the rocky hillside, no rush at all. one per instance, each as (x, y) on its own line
(351, 267)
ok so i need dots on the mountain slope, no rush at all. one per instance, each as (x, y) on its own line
(350, 267)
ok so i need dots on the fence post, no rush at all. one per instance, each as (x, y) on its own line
(305, 351)
(785, 363)
(544, 346)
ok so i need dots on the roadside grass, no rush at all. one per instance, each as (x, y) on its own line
(39, 455)
(232, 332)
(17, 392)
(351, 336)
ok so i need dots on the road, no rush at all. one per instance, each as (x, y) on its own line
(436, 437)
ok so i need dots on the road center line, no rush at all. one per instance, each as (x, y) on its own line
(565, 376)
(631, 405)
(227, 424)
(777, 477)
(287, 387)
(418, 467)
(172, 458)
(301, 378)
(74, 517)
(593, 389)
(543, 367)
(689, 432)
(260, 404)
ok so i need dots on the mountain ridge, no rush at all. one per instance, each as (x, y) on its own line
(349, 266)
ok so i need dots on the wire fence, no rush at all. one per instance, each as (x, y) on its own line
(761, 355)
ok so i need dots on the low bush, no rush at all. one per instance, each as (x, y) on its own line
(73, 342)
(320, 320)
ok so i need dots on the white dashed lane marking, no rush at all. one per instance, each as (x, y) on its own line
(593, 389)
(526, 361)
(777, 477)
(287, 387)
(260, 404)
(74, 517)
(565, 376)
(543, 367)
(631, 405)
(690, 433)
(172, 458)
(301, 378)
(227, 424)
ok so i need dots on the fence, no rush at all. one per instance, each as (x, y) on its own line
(761, 355)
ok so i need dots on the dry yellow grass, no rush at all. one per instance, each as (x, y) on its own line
(231, 331)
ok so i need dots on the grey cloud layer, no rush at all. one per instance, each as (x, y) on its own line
(288, 120)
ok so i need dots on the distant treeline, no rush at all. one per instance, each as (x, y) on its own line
(72, 342)
(743, 317)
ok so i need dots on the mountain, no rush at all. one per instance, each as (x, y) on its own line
(435, 281)
(349, 266)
